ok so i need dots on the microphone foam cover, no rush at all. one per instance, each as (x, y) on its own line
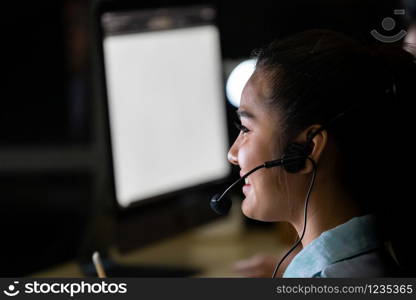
(222, 206)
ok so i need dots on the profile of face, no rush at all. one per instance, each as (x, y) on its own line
(258, 142)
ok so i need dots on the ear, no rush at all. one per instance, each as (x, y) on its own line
(318, 144)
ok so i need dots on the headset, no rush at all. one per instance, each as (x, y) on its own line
(293, 160)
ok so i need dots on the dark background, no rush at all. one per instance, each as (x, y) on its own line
(51, 169)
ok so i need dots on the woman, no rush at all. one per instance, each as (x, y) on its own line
(339, 101)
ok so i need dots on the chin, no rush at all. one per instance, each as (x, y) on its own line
(252, 211)
(247, 209)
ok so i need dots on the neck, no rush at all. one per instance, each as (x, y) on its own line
(328, 207)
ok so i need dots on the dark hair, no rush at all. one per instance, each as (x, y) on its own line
(316, 75)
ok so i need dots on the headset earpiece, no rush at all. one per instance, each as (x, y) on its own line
(295, 150)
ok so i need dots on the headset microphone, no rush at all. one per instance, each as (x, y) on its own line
(221, 205)
(293, 161)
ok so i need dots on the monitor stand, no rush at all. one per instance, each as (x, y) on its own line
(114, 269)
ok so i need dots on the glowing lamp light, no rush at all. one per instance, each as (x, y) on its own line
(238, 79)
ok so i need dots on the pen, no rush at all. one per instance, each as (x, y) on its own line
(98, 265)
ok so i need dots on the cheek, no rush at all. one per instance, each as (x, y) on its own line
(251, 154)
(268, 201)
(268, 198)
(267, 187)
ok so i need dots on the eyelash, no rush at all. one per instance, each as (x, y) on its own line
(241, 127)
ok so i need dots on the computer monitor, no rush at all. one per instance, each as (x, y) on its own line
(166, 112)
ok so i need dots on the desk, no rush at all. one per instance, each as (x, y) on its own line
(213, 247)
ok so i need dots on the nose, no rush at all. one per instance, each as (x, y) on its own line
(232, 154)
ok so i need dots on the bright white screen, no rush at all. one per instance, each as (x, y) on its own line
(167, 116)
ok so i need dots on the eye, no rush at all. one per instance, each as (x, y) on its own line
(241, 127)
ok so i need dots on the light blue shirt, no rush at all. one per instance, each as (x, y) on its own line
(348, 250)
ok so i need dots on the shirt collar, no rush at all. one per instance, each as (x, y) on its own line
(356, 236)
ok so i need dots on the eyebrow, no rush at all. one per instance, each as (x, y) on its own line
(244, 114)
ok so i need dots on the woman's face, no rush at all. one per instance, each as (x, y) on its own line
(257, 143)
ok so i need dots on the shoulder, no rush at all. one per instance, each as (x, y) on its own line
(372, 264)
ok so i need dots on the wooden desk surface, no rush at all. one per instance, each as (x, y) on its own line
(213, 247)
